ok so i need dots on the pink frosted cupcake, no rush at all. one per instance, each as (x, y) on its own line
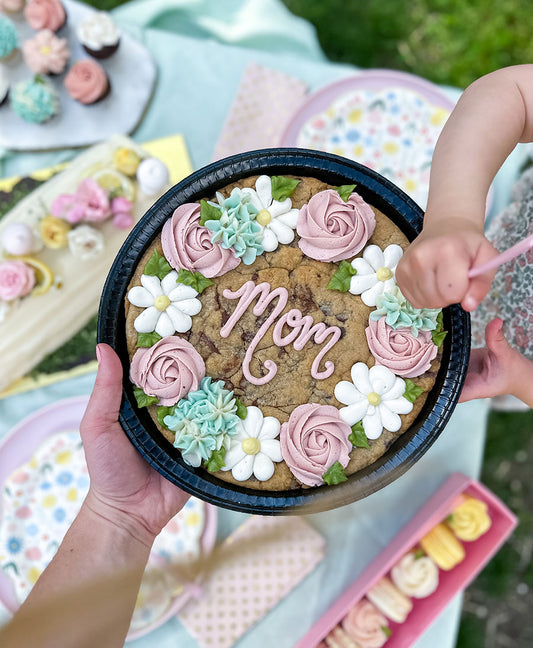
(45, 14)
(87, 82)
(46, 53)
(12, 6)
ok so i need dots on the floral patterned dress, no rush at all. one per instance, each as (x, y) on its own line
(511, 294)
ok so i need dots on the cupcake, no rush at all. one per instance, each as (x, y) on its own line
(87, 82)
(34, 100)
(46, 53)
(366, 625)
(12, 6)
(470, 520)
(8, 39)
(4, 86)
(416, 575)
(99, 35)
(45, 14)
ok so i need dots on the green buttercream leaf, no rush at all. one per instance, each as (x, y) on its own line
(208, 212)
(341, 279)
(143, 400)
(161, 413)
(345, 191)
(194, 279)
(386, 631)
(439, 333)
(358, 436)
(216, 460)
(242, 410)
(412, 392)
(11, 565)
(334, 474)
(157, 266)
(148, 339)
(419, 554)
(283, 187)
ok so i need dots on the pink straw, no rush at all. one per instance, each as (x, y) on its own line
(504, 257)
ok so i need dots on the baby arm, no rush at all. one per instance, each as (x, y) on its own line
(491, 117)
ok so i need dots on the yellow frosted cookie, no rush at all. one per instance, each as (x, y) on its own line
(441, 545)
(470, 519)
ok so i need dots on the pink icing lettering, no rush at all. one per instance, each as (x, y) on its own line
(303, 329)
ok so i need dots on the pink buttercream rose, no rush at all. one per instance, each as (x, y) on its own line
(89, 203)
(16, 280)
(87, 82)
(187, 245)
(12, 6)
(331, 229)
(45, 14)
(313, 439)
(400, 351)
(169, 370)
(364, 623)
(122, 213)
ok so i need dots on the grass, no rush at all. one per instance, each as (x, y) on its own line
(454, 42)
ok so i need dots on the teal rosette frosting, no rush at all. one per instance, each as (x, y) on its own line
(203, 421)
(399, 313)
(35, 100)
(236, 227)
(8, 37)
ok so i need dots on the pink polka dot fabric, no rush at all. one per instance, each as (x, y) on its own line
(253, 570)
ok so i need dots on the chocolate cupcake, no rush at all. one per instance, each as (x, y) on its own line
(87, 82)
(99, 35)
(46, 53)
(45, 14)
(4, 87)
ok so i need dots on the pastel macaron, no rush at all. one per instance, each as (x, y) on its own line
(443, 547)
(389, 600)
(470, 520)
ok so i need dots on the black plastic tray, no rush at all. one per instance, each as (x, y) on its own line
(138, 425)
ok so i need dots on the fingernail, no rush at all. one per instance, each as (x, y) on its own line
(98, 353)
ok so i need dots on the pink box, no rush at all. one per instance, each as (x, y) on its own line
(426, 610)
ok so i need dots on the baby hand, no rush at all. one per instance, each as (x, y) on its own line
(433, 272)
(492, 370)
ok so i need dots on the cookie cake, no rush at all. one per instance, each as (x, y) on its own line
(266, 338)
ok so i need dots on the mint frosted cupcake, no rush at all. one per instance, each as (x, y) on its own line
(4, 86)
(8, 39)
(34, 100)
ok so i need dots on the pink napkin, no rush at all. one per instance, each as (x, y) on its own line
(254, 568)
(264, 103)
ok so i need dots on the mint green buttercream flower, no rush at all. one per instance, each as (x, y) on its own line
(8, 37)
(236, 227)
(399, 313)
(204, 421)
(34, 100)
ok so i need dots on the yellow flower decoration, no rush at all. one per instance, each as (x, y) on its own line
(469, 520)
(126, 161)
(54, 232)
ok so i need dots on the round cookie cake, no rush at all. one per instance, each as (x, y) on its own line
(270, 359)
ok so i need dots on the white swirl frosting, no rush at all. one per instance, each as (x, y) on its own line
(98, 31)
(417, 577)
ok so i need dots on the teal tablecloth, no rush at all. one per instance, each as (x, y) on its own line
(201, 48)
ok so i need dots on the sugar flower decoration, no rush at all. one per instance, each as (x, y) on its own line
(277, 218)
(375, 397)
(85, 242)
(196, 441)
(89, 203)
(375, 272)
(399, 313)
(255, 448)
(237, 227)
(169, 306)
(215, 406)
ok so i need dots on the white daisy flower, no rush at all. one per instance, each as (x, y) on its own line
(375, 397)
(168, 305)
(376, 271)
(254, 448)
(277, 218)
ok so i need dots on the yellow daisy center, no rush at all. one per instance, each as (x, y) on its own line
(384, 273)
(263, 217)
(251, 446)
(374, 399)
(46, 49)
(162, 302)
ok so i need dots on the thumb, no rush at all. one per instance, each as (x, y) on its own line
(494, 337)
(479, 286)
(104, 403)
